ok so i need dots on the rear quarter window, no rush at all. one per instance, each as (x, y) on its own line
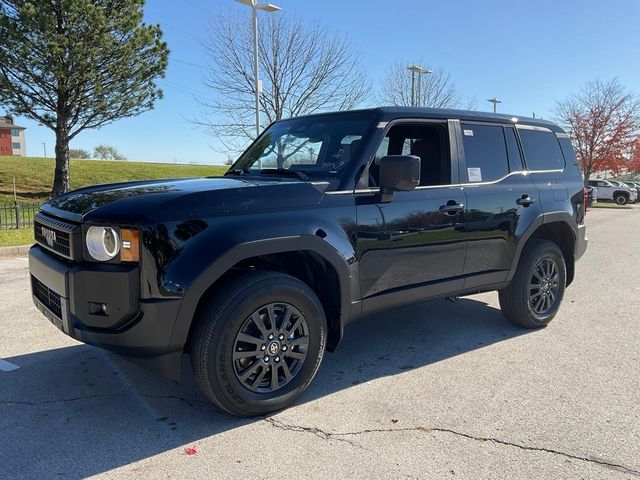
(541, 149)
(571, 161)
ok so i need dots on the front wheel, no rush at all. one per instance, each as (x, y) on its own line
(258, 343)
(536, 291)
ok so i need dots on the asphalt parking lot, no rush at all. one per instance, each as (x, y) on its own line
(439, 390)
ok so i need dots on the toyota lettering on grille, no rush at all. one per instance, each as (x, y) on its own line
(49, 235)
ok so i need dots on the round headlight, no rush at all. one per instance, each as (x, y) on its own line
(103, 243)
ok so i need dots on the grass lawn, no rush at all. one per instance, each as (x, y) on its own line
(34, 176)
(10, 238)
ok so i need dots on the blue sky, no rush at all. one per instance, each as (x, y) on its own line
(527, 53)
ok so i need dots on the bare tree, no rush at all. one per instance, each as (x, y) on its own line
(436, 89)
(106, 152)
(603, 120)
(305, 68)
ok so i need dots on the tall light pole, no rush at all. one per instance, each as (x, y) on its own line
(415, 69)
(266, 7)
(44, 147)
(495, 102)
(423, 72)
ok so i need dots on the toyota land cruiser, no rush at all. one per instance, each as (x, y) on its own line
(323, 219)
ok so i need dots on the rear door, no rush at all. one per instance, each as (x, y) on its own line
(502, 200)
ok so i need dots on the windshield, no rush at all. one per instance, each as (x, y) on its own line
(318, 146)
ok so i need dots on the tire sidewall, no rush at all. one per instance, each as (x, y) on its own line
(237, 312)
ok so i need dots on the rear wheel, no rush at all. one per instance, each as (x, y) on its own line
(536, 291)
(258, 343)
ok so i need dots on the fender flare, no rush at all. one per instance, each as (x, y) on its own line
(542, 219)
(240, 252)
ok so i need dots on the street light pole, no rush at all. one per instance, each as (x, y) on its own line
(423, 72)
(415, 69)
(495, 102)
(413, 89)
(256, 69)
(255, 6)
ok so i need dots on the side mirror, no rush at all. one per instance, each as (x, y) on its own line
(398, 173)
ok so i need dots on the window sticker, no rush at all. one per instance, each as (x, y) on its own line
(468, 133)
(474, 174)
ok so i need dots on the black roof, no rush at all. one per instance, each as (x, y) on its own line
(447, 113)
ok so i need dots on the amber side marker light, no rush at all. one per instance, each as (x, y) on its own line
(130, 248)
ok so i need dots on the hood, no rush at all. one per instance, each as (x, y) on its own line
(157, 200)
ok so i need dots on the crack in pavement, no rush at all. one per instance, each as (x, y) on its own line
(325, 435)
(313, 430)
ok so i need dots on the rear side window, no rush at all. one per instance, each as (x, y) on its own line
(541, 149)
(485, 152)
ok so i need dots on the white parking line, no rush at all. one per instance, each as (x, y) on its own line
(7, 366)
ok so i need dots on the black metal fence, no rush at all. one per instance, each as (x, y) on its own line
(17, 214)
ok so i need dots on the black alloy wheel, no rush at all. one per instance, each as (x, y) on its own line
(271, 347)
(544, 286)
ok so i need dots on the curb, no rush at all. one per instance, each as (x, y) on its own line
(17, 251)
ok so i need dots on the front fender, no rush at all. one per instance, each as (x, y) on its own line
(236, 254)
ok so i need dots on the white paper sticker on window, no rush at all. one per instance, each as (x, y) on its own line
(475, 174)
(468, 133)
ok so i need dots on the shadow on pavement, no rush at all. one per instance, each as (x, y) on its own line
(77, 411)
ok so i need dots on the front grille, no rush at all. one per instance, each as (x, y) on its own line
(55, 235)
(47, 297)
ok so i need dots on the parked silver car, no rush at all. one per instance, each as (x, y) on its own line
(608, 190)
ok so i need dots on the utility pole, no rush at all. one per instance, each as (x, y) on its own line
(44, 147)
(495, 102)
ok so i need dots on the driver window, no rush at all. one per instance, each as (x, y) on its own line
(430, 142)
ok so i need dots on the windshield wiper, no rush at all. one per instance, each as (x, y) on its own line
(283, 171)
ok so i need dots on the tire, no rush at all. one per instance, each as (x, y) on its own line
(221, 358)
(519, 302)
(621, 198)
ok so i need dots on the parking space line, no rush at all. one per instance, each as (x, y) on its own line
(7, 366)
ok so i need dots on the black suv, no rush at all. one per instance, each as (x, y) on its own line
(323, 219)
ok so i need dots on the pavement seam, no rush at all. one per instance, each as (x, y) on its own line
(325, 435)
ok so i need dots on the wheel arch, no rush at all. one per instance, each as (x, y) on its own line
(311, 256)
(557, 227)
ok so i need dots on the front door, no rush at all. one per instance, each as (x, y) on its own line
(414, 246)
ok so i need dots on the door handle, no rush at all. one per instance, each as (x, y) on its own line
(525, 200)
(452, 207)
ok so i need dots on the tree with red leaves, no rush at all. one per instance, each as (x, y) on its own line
(634, 164)
(603, 120)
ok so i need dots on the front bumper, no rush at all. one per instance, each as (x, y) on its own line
(70, 296)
